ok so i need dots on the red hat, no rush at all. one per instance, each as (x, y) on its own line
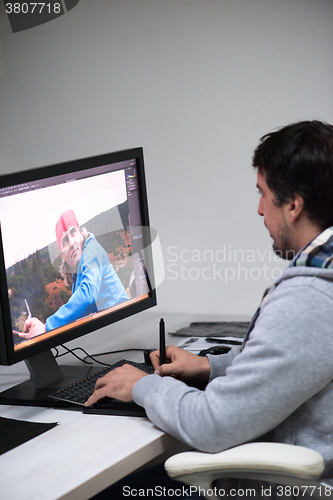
(66, 220)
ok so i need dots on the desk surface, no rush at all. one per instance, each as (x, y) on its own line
(85, 453)
(78, 458)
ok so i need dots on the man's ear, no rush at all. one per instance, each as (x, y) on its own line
(296, 207)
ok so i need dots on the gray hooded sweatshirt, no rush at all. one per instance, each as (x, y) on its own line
(278, 388)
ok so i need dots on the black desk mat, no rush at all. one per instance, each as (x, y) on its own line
(213, 329)
(15, 432)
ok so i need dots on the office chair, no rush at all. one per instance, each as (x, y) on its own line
(283, 464)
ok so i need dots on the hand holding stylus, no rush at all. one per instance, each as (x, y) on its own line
(181, 364)
(32, 328)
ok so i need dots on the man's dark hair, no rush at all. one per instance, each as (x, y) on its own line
(298, 159)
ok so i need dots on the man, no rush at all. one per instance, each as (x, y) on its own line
(278, 386)
(86, 267)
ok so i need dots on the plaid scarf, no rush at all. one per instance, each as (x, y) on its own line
(317, 253)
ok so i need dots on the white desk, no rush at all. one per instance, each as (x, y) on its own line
(78, 458)
(85, 453)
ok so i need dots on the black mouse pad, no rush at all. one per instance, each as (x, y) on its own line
(15, 432)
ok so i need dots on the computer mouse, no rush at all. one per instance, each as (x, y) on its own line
(216, 350)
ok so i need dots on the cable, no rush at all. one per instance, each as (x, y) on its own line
(71, 351)
(57, 352)
(91, 356)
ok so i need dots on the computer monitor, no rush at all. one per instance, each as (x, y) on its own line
(75, 256)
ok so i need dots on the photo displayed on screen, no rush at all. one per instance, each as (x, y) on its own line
(68, 251)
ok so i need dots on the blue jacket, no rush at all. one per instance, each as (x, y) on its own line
(96, 286)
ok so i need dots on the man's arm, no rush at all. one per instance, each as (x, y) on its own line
(275, 374)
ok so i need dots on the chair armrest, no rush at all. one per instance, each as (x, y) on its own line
(295, 460)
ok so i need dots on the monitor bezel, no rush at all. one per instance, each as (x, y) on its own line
(10, 356)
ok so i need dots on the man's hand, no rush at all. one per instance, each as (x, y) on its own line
(182, 365)
(119, 384)
(32, 328)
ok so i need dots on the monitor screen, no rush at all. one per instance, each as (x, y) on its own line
(75, 252)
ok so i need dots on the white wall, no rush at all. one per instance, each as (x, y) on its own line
(196, 83)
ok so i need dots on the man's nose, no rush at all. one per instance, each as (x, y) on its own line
(260, 209)
(71, 241)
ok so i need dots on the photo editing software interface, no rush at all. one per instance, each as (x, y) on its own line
(76, 253)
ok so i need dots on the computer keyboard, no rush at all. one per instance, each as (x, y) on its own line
(79, 392)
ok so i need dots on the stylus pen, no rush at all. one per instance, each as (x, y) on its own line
(26, 305)
(162, 342)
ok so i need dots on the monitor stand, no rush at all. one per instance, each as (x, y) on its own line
(46, 376)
